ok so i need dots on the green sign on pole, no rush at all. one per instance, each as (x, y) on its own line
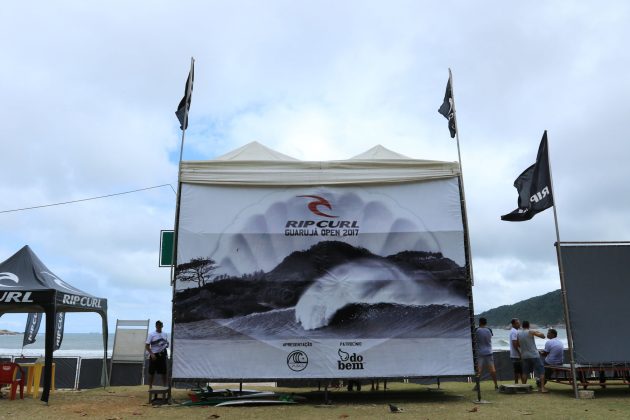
(166, 248)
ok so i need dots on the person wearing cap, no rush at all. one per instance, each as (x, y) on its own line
(156, 345)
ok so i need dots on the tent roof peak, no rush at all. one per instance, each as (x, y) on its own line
(255, 151)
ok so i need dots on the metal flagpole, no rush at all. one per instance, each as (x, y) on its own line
(562, 282)
(188, 94)
(466, 236)
(461, 176)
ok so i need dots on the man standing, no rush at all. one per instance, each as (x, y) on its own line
(529, 354)
(554, 351)
(483, 340)
(515, 351)
(156, 346)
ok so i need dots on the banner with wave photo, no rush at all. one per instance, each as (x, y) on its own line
(321, 282)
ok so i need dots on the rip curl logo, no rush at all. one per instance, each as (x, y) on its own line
(90, 302)
(60, 282)
(17, 297)
(313, 206)
(8, 276)
(297, 360)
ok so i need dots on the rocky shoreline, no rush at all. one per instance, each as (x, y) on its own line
(7, 332)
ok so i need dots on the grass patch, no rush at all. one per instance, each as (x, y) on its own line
(454, 400)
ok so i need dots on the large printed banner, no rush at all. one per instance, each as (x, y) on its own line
(321, 282)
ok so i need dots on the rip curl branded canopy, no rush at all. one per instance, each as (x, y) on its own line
(351, 268)
(27, 285)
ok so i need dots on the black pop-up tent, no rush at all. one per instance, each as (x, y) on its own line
(27, 285)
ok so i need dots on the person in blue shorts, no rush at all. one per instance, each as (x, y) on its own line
(483, 341)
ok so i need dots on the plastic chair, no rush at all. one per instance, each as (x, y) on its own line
(8, 371)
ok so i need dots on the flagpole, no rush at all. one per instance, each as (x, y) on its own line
(562, 280)
(466, 240)
(181, 148)
(187, 94)
(461, 176)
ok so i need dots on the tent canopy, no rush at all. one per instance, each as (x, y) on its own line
(255, 164)
(27, 285)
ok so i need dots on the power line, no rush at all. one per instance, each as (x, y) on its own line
(88, 199)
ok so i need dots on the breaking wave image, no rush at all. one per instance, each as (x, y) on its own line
(361, 321)
(359, 295)
(365, 282)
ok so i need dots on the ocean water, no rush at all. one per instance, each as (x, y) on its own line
(73, 344)
(501, 338)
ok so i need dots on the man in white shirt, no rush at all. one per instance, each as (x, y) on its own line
(515, 352)
(156, 345)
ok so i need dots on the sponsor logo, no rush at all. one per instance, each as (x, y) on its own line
(60, 282)
(349, 361)
(17, 297)
(540, 195)
(325, 227)
(297, 360)
(8, 276)
(31, 333)
(313, 206)
(88, 302)
(59, 329)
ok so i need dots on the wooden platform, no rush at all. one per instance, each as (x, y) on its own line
(160, 395)
(515, 389)
(602, 375)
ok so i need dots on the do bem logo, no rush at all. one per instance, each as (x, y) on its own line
(297, 360)
(349, 361)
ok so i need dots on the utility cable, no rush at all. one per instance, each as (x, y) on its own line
(88, 199)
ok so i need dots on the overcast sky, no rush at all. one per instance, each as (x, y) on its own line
(88, 92)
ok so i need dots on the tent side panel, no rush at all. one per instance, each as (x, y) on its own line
(321, 281)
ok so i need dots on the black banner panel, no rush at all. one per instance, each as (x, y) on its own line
(597, 282)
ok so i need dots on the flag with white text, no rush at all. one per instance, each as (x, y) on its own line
(534, 187)
(59, 323)
(32, 327)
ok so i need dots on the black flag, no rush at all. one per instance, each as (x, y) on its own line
(184, 104)
(446, 108)
(534, 187)
(61, 317)
(32, 327)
